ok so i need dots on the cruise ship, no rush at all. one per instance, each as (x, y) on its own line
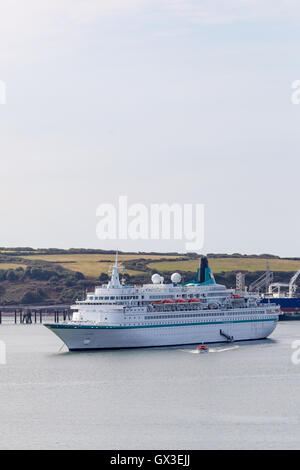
(117, 316)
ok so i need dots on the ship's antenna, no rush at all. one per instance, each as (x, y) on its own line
(114, 281)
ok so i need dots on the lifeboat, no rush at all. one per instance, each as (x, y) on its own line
(180, 301)
(168, 301)
(193, 300)
(202, 348)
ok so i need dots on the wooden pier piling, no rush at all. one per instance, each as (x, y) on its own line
(30, 314)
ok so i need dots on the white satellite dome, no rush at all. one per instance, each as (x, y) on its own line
(176, 278)
(156, 279)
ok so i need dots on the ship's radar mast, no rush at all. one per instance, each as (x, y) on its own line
(114, 282)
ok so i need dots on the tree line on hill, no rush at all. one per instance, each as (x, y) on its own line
(52, 283)
(23, 251)
(41, 284)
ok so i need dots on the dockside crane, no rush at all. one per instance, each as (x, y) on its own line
(292, 284)
(263, 282)
(274, 288)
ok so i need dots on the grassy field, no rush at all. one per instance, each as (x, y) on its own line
(219, 265)
(6, 266)
(92, 265)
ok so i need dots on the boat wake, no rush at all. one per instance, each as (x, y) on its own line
(210, 350)
(223, 349)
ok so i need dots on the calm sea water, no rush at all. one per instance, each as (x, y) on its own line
(245, 395)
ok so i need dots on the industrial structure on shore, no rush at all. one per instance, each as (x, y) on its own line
(282, 294)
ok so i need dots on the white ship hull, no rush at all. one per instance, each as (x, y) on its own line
(85, 337)
(158, 314)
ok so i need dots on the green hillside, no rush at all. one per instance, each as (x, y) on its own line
(55, 275)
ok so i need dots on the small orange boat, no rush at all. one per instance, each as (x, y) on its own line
(202, 348)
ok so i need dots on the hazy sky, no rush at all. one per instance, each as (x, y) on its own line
(160, 100)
